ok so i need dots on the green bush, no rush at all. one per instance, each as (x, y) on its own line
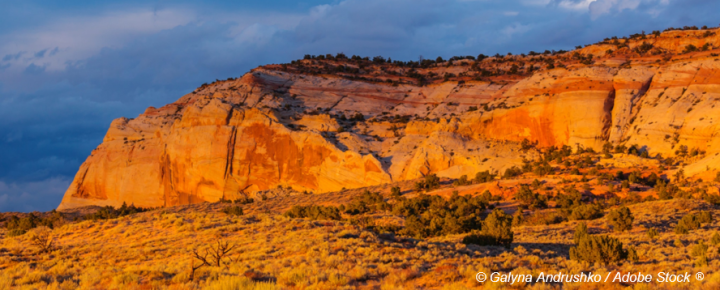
(432, 215)
(498, 225)
(568, 201)
(512, 172)
(598, 249)
(691, 222)
(367, 202)
(241, 200)
(233, 210)
(621, 219)
(19, 226)
(16, 232)
(110, 212)
(586, 212)
(480, 239)
(530, 199)
(314, 212)
(462, 181)
(395, 192)
(430, 182)
(518, 218)
(244, 200)
(543, 218)
(496, 231)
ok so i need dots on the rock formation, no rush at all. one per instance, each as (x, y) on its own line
(324, 124)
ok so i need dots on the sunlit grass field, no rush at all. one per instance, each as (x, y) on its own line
(154, 250)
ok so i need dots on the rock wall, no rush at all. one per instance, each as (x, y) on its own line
(273, 128)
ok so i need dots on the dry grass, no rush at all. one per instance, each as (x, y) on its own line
(153, 250)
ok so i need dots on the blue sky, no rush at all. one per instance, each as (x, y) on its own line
(68, 68)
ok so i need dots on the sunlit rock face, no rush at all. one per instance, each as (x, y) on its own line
(285, 125)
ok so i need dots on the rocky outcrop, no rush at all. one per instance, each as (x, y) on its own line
(318, 132)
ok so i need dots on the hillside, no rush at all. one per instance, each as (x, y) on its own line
(155, 250)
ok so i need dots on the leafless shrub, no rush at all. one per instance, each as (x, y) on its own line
(211, 256)
(42, 239)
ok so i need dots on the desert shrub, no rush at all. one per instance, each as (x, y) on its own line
(19, 226)
(497, 225)
(572, 199)
(518, 218)
(543, 169)
(367, 202)
(432, 215)
(395, 192)
(488, 197)
(110, 212)
(241, 200)
(512, 172)
(543, 218)
(233, 210)
(652, 233)
(480, 239)
(581, 232)
(715, 240)
(700, 249)
(704, 217)
(667, 190)
(42, 239)
(530, 199)
(712, 198)
(496, 231)
(462, 181)
(526, 144)
(598, 249)
(586, 212)
(16, 232)
(621, 219)
(314, 212)
(430, 182)
(632, 255)
(700, 252)
(691, 222)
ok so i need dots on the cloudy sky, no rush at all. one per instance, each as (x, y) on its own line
(68, 68)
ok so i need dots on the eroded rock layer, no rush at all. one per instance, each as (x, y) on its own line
(292, 126)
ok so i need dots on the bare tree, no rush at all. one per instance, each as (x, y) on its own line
(221, 250)
(203, 262)
(210, 256)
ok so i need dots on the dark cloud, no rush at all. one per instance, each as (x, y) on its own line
(9, 57)
(60, 89)
(31, 196)
(34, 69)
(40, 54)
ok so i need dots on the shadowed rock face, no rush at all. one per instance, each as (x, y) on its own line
(283, 127)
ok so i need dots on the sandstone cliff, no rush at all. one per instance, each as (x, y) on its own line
(321, 125)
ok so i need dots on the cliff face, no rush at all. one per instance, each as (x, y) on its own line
(291, 126)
